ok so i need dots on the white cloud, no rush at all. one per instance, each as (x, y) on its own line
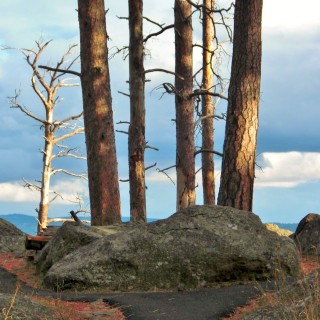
(15, 192)
(160, 177)
(288, 14)
(68, 189)
(288, 169)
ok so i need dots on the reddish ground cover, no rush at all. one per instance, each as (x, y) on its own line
(80, 310)
(20, 267)
(25, 272)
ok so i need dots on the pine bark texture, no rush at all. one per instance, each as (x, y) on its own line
(137, 113)
(98, 115)
(185, 162)
(238, 165)
(207, 105)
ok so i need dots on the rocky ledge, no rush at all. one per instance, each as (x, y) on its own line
(196, 247)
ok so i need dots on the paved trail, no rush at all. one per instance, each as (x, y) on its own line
(213, 304)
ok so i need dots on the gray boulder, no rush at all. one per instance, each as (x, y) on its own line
(68, 238)
(194, 248)
(11, 238)
(307, 235)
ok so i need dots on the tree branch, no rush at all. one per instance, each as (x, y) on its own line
(82, 175)
(163, 29)
(15, 105)
(68, 135)
(202, 92)
(64, 71)
(222, 117)
(149, 167)
(30, 185)
(58, 124)
(125, 94)
(208, 151)
(164, 172)
(164, 70)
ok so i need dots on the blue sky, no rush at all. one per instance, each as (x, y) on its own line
(287, 185)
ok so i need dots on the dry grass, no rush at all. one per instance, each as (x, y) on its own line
(7, 312)
(298, 300)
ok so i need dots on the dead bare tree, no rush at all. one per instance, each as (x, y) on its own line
(46, 86)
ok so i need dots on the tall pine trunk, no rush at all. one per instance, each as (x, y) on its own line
(185, 162)
(98, 115)
(239, 151)
(137, 113)
(207, 105)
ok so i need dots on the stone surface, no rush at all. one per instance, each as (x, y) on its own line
(307, 235)
(194, 248)
(275, 228)
(11, 238)
(69, 237)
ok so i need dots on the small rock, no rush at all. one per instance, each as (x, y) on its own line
(11, 238)
(275, 228)
(307, 235)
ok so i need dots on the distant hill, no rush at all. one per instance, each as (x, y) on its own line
(28, 224)
(25, 223)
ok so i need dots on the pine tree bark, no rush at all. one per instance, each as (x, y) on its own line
(238, 165)
(98, 114)
(207, 159)
(185, 163)
(137, 113)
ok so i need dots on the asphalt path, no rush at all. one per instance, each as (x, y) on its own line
(213, 303)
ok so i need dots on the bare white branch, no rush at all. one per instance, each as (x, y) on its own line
(81, 175)
(68, 135)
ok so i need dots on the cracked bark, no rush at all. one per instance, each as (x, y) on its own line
(136, 137)
(98, 115)
(185, 163)
(207, 106)
(238, 165)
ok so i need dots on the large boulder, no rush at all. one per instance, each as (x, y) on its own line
(68, 238)
(307, 235)
(11, 238)
(194, 248)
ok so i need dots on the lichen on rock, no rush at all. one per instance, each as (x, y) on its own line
(195, 247)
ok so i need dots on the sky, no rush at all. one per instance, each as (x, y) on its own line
(288, 163)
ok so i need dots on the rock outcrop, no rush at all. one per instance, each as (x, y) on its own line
(68, 238)
(11, 238)
(193, 248)
(275, 228)
(307, 235)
